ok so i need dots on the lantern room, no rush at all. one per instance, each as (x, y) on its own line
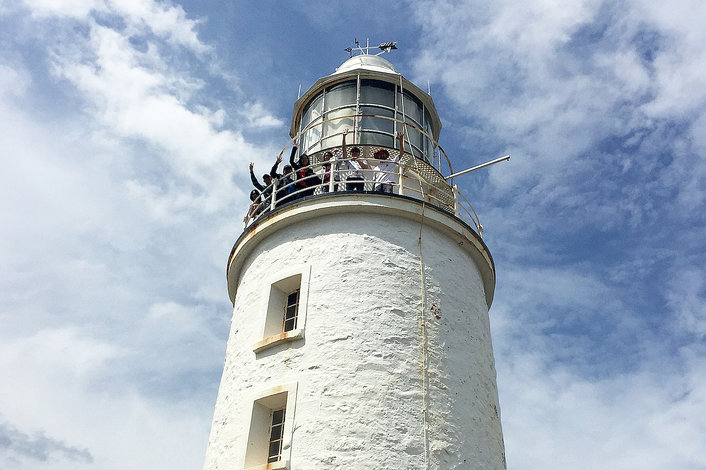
(370, 98)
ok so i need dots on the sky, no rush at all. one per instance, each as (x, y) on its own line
(127, 129)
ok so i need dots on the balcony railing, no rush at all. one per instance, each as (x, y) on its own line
(410, 177)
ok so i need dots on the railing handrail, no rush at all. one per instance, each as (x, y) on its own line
(338, 177)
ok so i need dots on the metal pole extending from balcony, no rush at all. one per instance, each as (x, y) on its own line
(478, 167)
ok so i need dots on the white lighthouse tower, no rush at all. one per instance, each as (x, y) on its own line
(360, 335)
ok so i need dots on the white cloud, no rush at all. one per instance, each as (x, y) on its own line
(555, 419)
(258, 117)
(68, 352)
(167, 21)
(133, 96)
(565, 404)
(680, 61)
(64, 8)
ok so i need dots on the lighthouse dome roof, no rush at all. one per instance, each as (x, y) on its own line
(367, 62)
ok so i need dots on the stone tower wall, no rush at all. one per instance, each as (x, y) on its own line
(356, 378)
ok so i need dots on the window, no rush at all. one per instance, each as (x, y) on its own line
(377, 92)
(341, 94)
(276, 432)
(285, 310)
(271, 428)
(291, 310)
(283, 305)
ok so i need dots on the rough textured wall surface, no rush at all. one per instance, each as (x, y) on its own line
(359, 368)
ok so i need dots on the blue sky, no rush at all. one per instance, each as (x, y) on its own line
(126, 132)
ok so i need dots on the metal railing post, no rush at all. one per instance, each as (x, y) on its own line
(275, 184)
(400, 172)
(330, 177)
(455, 191)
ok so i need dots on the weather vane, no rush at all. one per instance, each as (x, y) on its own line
(384, 47)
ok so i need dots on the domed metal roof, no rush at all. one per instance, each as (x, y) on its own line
(367, 62)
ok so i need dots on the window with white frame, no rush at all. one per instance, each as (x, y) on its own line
(283, 305)
(271, 427)
(285, 310)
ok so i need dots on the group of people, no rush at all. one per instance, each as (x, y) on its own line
(299, 180)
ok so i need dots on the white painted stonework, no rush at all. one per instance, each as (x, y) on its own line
(355, 378)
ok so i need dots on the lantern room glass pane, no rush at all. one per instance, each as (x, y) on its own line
(377, 123)
(377, 130)
(377, 92)
(334, 128)
(340, 95)
(382, 140)
(412, 109)
(312, 115)
(429, 144)
(313, 110)
(310, 140)
(415, 138)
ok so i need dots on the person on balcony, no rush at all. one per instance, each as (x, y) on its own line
(284, 182)
(326, 175)
(265, 190)
(307, 180)
(385, 177)
(355, 181)
(256, 205)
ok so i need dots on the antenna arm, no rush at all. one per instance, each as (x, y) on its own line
(478, 167)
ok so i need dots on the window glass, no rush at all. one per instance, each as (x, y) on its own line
(377, 92)
(429, 147)
(276, 432)
(290, 311)
(313, 110)
(310, 116)
(376, 123)
(335, 127)
(339, 113)
(340, 95)
(412, 109)
(382, 140)
(310, 140)
(376, 130)
(414, 137)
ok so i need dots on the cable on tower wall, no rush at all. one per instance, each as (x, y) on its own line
(422, 290)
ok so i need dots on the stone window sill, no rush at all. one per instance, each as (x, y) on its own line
(279, 465)
(274, 340)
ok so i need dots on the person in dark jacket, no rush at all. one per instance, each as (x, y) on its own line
(284, 182)
(307, 180)
(265, 190)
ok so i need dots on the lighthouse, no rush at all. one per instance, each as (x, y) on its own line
(360, 335)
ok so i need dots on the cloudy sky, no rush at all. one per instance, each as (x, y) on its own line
(126, 130)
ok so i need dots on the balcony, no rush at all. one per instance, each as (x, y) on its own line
(407, 177)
